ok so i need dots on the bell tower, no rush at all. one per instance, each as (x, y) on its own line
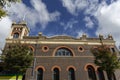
(18, 30)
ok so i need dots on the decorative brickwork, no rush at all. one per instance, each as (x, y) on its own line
(45, 49)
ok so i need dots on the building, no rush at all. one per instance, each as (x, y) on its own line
(61, 57)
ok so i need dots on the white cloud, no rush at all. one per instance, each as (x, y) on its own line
(70, 24)
(79, 34)
(5, 26)
(109, 20)
(37, 14)
(108, 15)
(75, 6)
(89, 23)
(19, 11)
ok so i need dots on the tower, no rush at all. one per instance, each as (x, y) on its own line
(18, 30)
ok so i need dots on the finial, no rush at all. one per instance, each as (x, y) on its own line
(100, 36)
(84, 36)
(110, 36)
(40, 33)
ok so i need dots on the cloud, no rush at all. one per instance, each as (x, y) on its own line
(75, 6)
(79, 34)
(5, 24)
(70, 24)
(89, 22)
(19, 11)
(107, 14)
(37, 14)
(109, 20)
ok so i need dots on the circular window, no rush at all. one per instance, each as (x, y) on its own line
(45, 48)
(80, 49)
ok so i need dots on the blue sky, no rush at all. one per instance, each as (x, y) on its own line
(65, 17)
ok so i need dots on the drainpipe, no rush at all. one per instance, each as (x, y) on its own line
(34, 62)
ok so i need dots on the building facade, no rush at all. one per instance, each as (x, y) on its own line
(61, 57)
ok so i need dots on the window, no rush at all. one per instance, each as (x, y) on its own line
(16, 35)
(111, 78)
(23, 78)
(114, 78)
(56, 74)
(113, 50)
(40, 74)
(80, 49)
(91, 73)
(100, 74)
(63, 52)
(45, 48)
(31, 49)
(71, 74)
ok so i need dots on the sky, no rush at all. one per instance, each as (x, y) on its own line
(65, 17)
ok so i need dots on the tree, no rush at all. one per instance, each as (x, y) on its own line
(2, 4)
(17, 59)
(106, 60)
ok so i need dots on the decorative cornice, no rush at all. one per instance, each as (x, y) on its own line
(47, 41)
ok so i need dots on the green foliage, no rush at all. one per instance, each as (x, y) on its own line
(107, 60)
(2, 13)
(17, 58)
(3, 3)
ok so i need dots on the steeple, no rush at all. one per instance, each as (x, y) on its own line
(18, 30)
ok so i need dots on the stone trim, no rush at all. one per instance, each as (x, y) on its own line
(90, 64)
(71, 66)
(39, 67)
(81, 49)
(45, 48)
(32, 48)
(55, 67)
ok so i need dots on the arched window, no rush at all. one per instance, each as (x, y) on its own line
(31, 49)
(23, 78)
(100, 74)
(40, 74)
(63, 52)
(56, 74)
(16, 35)
(71, 74)
(114, 78)
(91, 73)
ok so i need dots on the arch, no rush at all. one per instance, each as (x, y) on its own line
(90, 64)
(100, 74)
(63, 47)
(39, 67)
(40, 74)
(56, 67)
(16, 35)
(56, 74)
(32, 48)
(71, 67)
(71, 74)
(114, 77)
(15, 32)
(91, 72)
